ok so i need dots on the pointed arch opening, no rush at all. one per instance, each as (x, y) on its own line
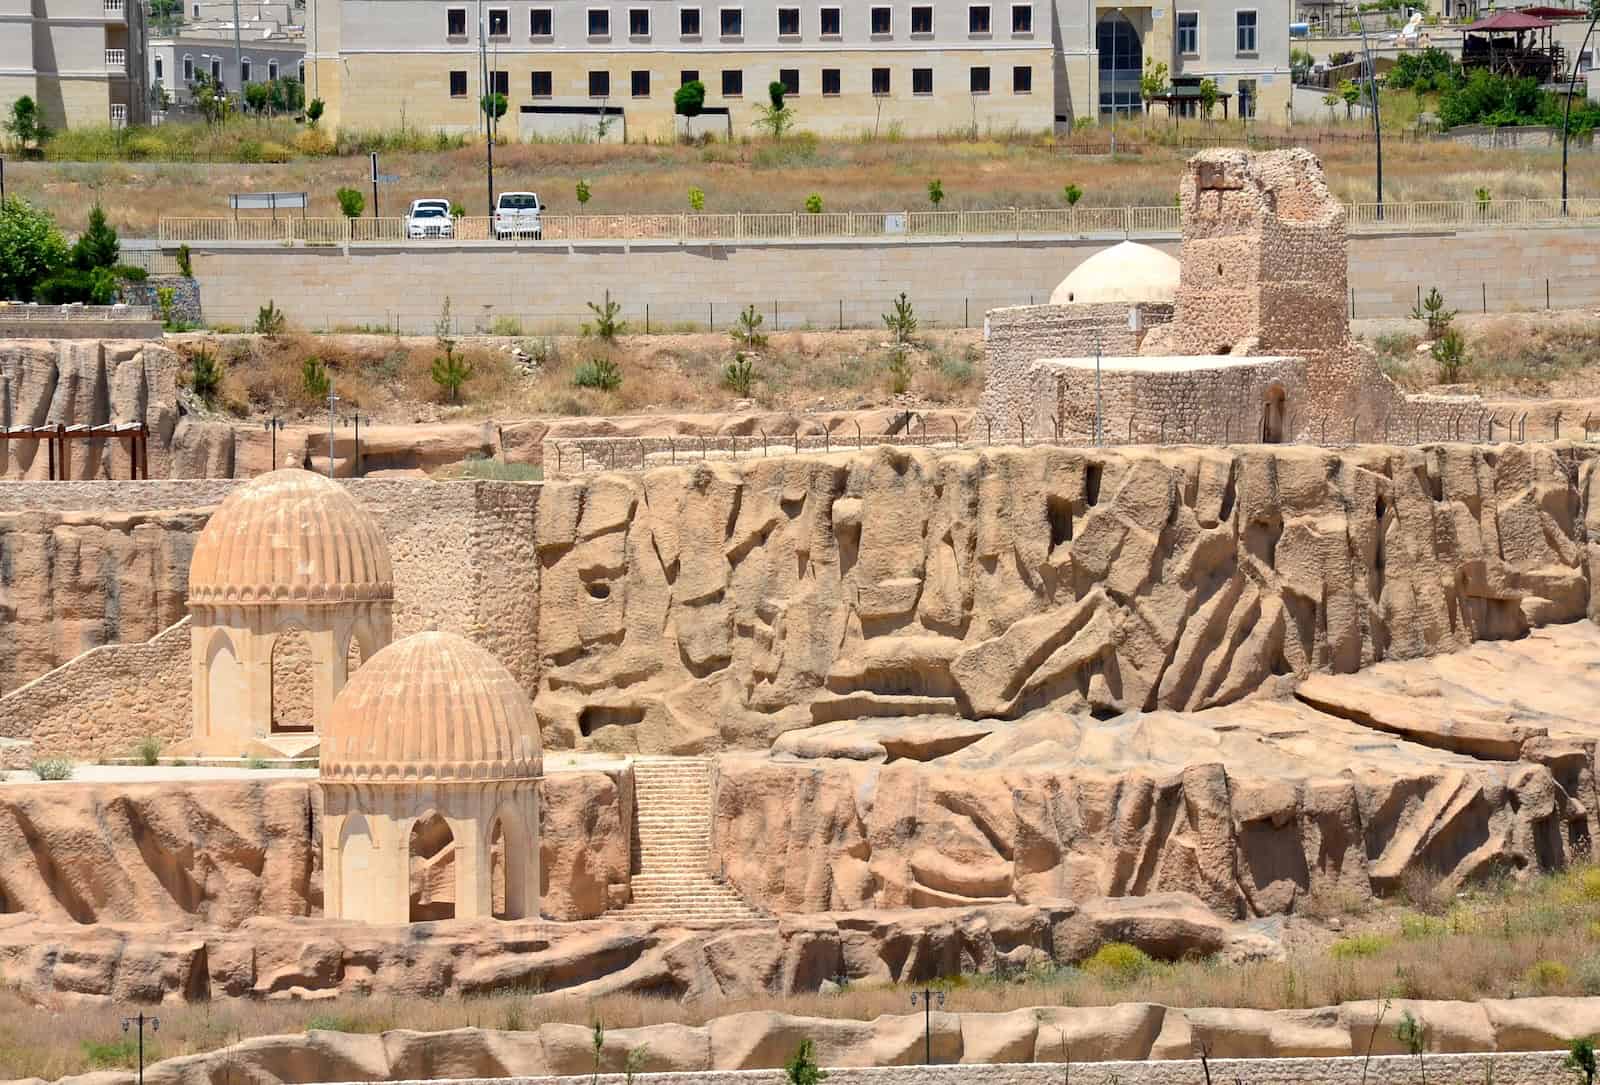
(224, 679)
(510, 853)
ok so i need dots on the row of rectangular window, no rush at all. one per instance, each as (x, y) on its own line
(216, 70)
(543, 83)
(1244, 32)
(730, 21)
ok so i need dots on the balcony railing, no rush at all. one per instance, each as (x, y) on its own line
(113, 7)
(899, 226)
(117, 58)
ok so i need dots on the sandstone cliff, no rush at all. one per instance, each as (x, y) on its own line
(718, 606)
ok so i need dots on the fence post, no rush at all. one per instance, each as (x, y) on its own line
(1485, 288)
(1547, 291)
(647, 318)
(841, 314)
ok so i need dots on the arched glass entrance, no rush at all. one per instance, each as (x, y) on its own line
(1121, 61)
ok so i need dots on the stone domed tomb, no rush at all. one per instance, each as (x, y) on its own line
(290, 587)
(1127, 273)
(430, 769)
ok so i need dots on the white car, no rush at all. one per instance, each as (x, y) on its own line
(517, 214)
(430, 218)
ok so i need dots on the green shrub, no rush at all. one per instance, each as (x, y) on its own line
(598, 373)
(351, 202)
(936, 192)
(53, 768)
(505, 325)
(1118, 962)
(747, 331)
(270, 319)
(697, 200)
(185, 267)
(802, 1068)
(115, 1054)
(1072, 194)
(255, 762)
(608, 322)
(813, 204)
(958, 370)
(739, 375)
(327, 1022)
(205, 375)
(149, 750)
(480, 467)
(130, 273)
(899, 370)
(1358, 946)
(314, 380)
(902, 322)
(1450, 355)
(1547, 976)
(450, 371)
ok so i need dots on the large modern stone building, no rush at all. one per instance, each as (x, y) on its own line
(81, 61)
(915, 68)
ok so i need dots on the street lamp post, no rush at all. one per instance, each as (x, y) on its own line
(332, 401)
(1572, 88)
(272, 426)
(927, 996)
(1372, 96)
(141, 1021)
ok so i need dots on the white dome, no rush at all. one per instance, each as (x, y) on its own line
(1124, 274)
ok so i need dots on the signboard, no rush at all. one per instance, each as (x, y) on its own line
(894, 224)
(267, 201)
(386, 178)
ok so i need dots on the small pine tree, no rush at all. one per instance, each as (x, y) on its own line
(936, 192)
(1450, 355)
(450, 371)
(607, 324)
(598, 1043)
(351, 202)
(1432, 311)
(314, 111)
(1072, 194)
(1413, 1035)
(739, 375)
(270, 319)
(97, 246)
(314, 378)
(802, 1068)
(903, 321)
(747, 331)
(205, 375)
(185, 264)
(583, 193)
(1581, 1058)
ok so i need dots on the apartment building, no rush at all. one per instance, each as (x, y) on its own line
(917, 67)
(262, 51)
(81, 61)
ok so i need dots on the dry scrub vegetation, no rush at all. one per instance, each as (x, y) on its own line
(1549, 355)
(388, 378)
(757, 175)
(1500, 940)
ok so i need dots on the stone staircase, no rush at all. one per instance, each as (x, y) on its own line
(672, 847)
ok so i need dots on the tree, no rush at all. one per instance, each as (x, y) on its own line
(256, 96)
(351, 202)
(1580, 1053)
(1450, 356)
(1413, 1035)
(583, 193)
(607, 319)
(802, 1069)
(814, 204)
(314, 378)
(775, 117)
(314, 111)
(205, 375)
(451, 371)
(1208, 96)
(688, 101)
(31, 249)
(1300, 61)
(1433, 311)
(903, 321)
(1350, 94)
(270, 319)
(1153, 81)
(747, 331)
(936, 192)
(211, 99)
(1072, 194)
(493, 106)
(97, 246)
(697, 200)
(25, 124)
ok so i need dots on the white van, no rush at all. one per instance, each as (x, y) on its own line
(517, 215)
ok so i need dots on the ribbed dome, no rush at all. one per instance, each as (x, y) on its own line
(1127, 274)
(433, 706)
(290, 536)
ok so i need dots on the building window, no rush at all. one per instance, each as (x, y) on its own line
(119, 114)
(638, 22)
(458, 84)
(921, 80)
(790, 78)
(158, 69)
(830, 82)
(188, 69)
(687, 76)
(1247, 99)
(272, 69)
(455, 22)
(882, 21)
(922, 20)
(543, 85)
(599, 23)
(500, 82)
(978, 19)
(1022, 79)
(689, 22)
(216, 72)
(499, 23)
(599, 84)
(732, 22)
(1189, 33)
(197, 11)
(639, 84)
(1245, 23)
(732, 83)
(788, 22)
(1120, 63)
(979, 81)
(244, 71)
(828, 22)
(540, 23)
(1022, 18)
(300, 71)
(880, 82)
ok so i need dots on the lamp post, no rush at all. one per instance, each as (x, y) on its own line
(141, 1020)
(1372, 96)
(332, 401)
(1572, 88)
(927, 996)
(272, 426)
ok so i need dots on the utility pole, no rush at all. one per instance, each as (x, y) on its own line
(374, 184)
(486, 103)
(1572, 88)
(1372, 96)
(238, 51)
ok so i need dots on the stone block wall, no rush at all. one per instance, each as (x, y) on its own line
(1018, 336)
(185, 296)
(1210, 404)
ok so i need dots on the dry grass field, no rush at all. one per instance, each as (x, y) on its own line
(758, 175)
(1500, 939)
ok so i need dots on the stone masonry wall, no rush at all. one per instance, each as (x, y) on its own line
(1020, 335)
